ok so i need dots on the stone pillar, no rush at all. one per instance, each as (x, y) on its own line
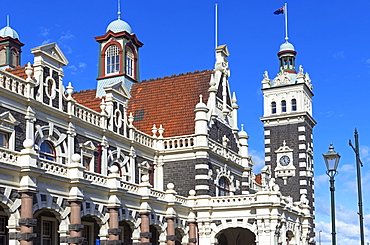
(75, 226)
(171, 237)
(192, 233)
(26, 221)
(145, 234)
(114, 230)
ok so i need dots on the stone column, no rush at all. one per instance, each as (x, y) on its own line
(75, 226)
(26, 221)
(171, 237)
(145, 234)
(192, 233)
(113, 230)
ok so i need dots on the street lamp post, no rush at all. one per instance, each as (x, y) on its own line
(331, 160)
(320, 236)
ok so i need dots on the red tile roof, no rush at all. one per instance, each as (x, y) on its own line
(169, 101)
(88, 99)
(18, 71)
(258, 179)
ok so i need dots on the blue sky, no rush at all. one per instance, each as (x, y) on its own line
(331, 38)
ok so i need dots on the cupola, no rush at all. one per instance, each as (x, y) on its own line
(286, 56)
(118, 59)
(10, 47)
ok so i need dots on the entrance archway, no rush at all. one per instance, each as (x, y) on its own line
(236, 236)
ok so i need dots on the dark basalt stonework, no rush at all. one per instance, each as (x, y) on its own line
(290, 134)
(219, 130)
(181, 174)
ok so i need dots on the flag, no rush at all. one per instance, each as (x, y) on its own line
(279, 11)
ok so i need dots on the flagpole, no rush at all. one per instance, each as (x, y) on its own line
(286, 22)
(216, 27)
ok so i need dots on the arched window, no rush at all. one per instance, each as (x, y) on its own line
(223, 187)
(130, 65)
(47, 151)
(112, 59)
(294, 104)
(273, 107)
(283, 106)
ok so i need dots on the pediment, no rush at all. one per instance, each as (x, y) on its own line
(118, 90)
(88, 145)
(7, 117)
(51, 51)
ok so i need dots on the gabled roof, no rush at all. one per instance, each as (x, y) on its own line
(169, 101)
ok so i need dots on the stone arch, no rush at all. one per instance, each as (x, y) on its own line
(51, 134)
(236, 236)
(48, 225)
(93, 226)
(118, 158)
(225, 173)
(127, 229)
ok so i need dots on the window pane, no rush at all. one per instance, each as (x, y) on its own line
(4, 139)
(273, 107)
(294, 104)
(283, 106)
(47, 151)
(112, 59)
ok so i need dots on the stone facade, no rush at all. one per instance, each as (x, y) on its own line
(80, 169)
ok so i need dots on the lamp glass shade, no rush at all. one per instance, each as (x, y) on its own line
(331, 159)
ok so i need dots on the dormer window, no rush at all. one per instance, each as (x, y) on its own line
(112, 59)
(130, 62)
(294, 104)
(283, 106)
(273, 107)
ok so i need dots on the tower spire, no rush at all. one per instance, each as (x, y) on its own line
(119, 10)
(7, 21)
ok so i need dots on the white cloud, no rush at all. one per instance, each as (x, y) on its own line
(44, 32)
(46, 41)
(81, 64)
(258, 159)
(66, 36)
(347, 228)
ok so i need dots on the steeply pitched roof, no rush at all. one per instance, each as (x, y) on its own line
(88, 99)
(169, 101)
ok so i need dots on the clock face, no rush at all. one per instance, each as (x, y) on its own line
(284, 160)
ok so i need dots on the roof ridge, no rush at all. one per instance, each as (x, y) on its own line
(177, 75)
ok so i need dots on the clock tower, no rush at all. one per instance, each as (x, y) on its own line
(288, 125)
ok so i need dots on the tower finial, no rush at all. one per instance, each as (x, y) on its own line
(7, 21)
(119, 9)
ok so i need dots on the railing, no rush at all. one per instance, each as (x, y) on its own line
(129, 187)
(96, 178)
(158, 194)
(53, 167)
(143, 139)
(8, 156)
(223, 151)
(86, 114)
(178, 142)
(180, 199)
(233, 200)
(12, 83)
